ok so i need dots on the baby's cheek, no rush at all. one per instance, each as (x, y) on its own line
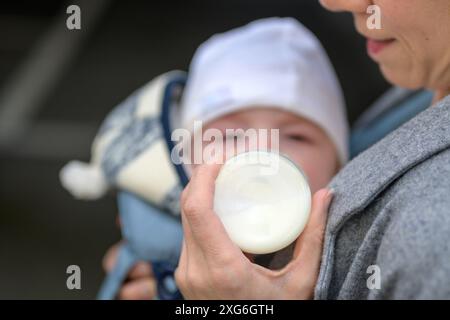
(317, 168)
(315, 177)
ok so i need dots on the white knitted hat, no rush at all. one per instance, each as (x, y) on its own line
(273, 62)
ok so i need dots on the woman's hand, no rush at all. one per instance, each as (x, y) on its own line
(140, 285)
(212, 267)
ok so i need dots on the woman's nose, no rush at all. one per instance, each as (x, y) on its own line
(353, 6)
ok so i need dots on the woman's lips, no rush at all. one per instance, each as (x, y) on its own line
(376, 46)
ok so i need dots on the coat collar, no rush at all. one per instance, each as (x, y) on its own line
(372, 171)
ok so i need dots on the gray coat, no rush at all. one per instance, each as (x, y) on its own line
(390, 217)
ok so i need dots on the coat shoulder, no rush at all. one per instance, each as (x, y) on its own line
(414, 252)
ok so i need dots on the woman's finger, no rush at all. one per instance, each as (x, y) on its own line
(142, 289)
(192, 250)
(197, 200)
(309, 246)
(181, 271)
(187, 233)
(183, 261)
(206, 229)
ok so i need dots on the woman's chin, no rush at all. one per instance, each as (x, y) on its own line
(400, 78)
(398, 68)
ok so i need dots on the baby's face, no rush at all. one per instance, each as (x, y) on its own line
(301, 140)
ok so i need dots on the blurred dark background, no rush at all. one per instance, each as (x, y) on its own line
(56, 86)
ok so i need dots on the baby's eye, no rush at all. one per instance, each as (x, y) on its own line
(296, 137)
(230, 137)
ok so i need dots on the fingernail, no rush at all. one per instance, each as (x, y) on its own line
(330, 194)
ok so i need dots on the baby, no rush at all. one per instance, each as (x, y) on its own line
(271, 74)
